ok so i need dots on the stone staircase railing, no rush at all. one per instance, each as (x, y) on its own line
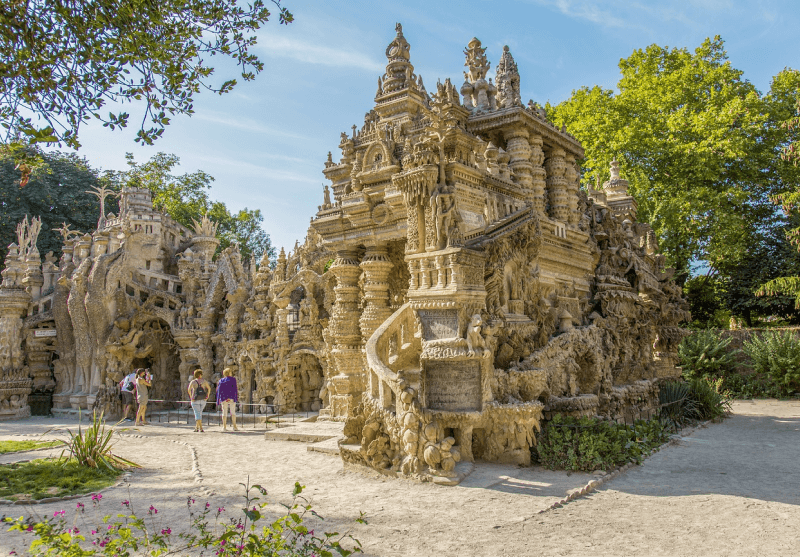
(393, 357)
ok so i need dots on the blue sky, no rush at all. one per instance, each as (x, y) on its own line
(266, 142)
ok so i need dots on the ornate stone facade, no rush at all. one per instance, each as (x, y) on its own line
(455, 288)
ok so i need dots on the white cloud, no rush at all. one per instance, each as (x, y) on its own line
(247, 125)
(641, 15)
(306, 52)
(250, 169)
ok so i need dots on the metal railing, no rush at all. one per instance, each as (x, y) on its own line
(180, 411)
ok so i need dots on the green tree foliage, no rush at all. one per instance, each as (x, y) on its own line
(56, 193)
(699, 144)
(63, 60)
(185, 198)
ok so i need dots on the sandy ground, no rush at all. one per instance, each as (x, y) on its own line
(727, 489)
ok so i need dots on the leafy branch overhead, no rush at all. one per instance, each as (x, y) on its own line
(62, 61)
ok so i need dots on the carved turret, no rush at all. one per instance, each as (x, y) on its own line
(507, 81)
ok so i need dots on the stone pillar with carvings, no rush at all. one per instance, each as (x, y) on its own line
(573, 178)
(519, 151)
(538, 176)
(376, 266)
(557, 185)
(344, 326)
(412, 228)
(15, 386)
(430, 229)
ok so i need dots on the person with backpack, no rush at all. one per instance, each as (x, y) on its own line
(127, 388)
(199, 391)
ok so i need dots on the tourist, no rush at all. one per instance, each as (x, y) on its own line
(199, 391)
(143, 381)
(127, 388)
(227, 397)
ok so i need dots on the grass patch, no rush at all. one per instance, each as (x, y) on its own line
(43, 478)
(17, 446)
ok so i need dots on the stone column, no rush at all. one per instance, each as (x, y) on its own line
(376, 266)
(346, 334)
(539, 175)
(430, 229)
(519, 151)
(573, 178)
(412, 228)
(557, 185)
(15, 386)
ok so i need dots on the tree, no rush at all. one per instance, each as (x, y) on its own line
(57, 194)
(63, 60)
(700, 145)
(185, 198)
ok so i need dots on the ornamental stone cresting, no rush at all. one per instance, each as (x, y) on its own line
(456, 288)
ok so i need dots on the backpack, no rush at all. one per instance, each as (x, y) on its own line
(128, 383)
(200, 392)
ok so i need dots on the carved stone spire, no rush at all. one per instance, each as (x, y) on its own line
(479, 96)
(399, 71)
(507, 81)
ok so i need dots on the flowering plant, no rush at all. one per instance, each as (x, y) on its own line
(250, 534)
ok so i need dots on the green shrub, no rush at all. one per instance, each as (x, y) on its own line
(677, 404)
(705, 353)
(589, 443)
(710, 401)
(739, 386)
(777, 355)
(92, 447)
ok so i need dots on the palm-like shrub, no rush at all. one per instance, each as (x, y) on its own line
(708, 400)
(776, 354)
(705, 353)
(91, 447)
(677, 404)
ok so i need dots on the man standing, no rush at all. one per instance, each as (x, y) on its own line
(126, 388)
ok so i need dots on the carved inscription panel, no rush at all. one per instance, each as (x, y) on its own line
(472, 220)
(439, 323)
(453, 386)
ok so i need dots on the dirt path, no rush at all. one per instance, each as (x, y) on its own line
(729, 489)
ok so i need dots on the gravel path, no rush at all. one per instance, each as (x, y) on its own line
(728, 489)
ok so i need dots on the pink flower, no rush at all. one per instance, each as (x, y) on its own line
(220, 509)
(166, 531)
(110, 526)
(79, 506)
(221, 543)
(57, 513)
(153, 510)
(208, 505)
(28, 529)
(94, 532)
(74, 531)
(126, 503)
(96, 497)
